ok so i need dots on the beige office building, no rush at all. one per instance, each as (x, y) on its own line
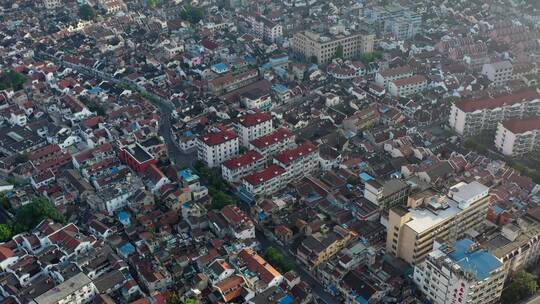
(431, 215)
(323, 47)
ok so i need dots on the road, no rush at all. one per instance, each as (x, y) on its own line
(317, 288)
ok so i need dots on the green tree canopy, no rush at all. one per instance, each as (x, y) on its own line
(12, 80)
(87, 12)
(153, 3)
(339, 52)
(522, 286)
(31, 214)
(5, 233)
(191, 13)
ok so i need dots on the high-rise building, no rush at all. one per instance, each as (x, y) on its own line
(324, 47)
(470, 117)
(498, 72)
(518, 136)
(216, 147)
(430, 215)
(460, 272)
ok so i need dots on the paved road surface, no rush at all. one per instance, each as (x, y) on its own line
(317, 288)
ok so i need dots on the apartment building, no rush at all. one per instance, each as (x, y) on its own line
(407, 86)
(232, 81)
(472, 116)
(386, 194)
(251, 125)
(460, 272)
(323, 46)
(257, 99)
(268, 276)
(235, 168)
(264, 182)
(403, 22)
(430, 215)
(385, 76)
(498, 72)
(217, 146)
(516, 137)
(300, 161)
(77, 289)
(270, 144)
(265, 28)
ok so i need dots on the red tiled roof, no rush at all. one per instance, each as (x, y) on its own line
(522, 125)
(396, 71)
(264, 175)
(288, 156)
(409, 80)
(267, 140)
(472, 105)
(259, 265)
(252, 119)
(45, 151)
(218, 138)
(242, 160)
(5, 253)
(233, 214)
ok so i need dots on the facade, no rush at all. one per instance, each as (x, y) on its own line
(300, 161)
(407, 86)
(271, 144)
(257, 100)
(319, 248)
(267, 274)
(235, 168)
(498, 72)
(136, 156)
(470, 117)
(384, 77)
(516, 137)
(264, 182)
(310, 44)
(265, 28)
(216, 147)
(430, 216)
(77, 289)
(252, 125)
(460, 273)
(387, 194)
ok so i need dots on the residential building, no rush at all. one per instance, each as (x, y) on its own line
(399, 20)
(136, 156)
(257, 100)
(384, 77)
(386, 194)
(271, 144)
(232, 81)
(265, 28)
(472, 116)
(320, 247)
(251, 125)
(235, 168)
(460, 272)
(324, 46)
(264, 182)
(239, 225)
(516, 137)
(407, 86)
(267, 275)
(498, 72)
(77, 289)
(217, 146)
(411, 231)
(300, 161)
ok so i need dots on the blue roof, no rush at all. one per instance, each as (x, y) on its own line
(365, 177)
(279, 88)
(187, 175)
(249, 58)
(220, 66)
(361, 300)
(479, 261)
(123, 216)
(127, 248)
(498, 210)
(286, 300)
(188, 133)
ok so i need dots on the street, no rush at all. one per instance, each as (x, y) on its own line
(317, 288)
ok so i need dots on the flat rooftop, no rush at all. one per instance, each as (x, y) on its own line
(465, 194)
(63, 290)
(480, 262)
(423, 218)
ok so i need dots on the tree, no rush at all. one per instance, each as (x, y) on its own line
(4, 202)
(31, 214)
(12, 80)
(87, 12)
(191, 14)
(5, 233)
(313, 59)
(339, 52)
(152, 3)
(522, 286)
(242, 150)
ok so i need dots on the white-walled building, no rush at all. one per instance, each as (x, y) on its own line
(77, 289)
(264, 182)
(271, 144)
(498, 72)
(216, 147)
(407, 86)
(472, 116)
(235, 168)
(299, 161)
(384, 77)
(460, 273)
(518, 136)
(251, 125)
(265, 28)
